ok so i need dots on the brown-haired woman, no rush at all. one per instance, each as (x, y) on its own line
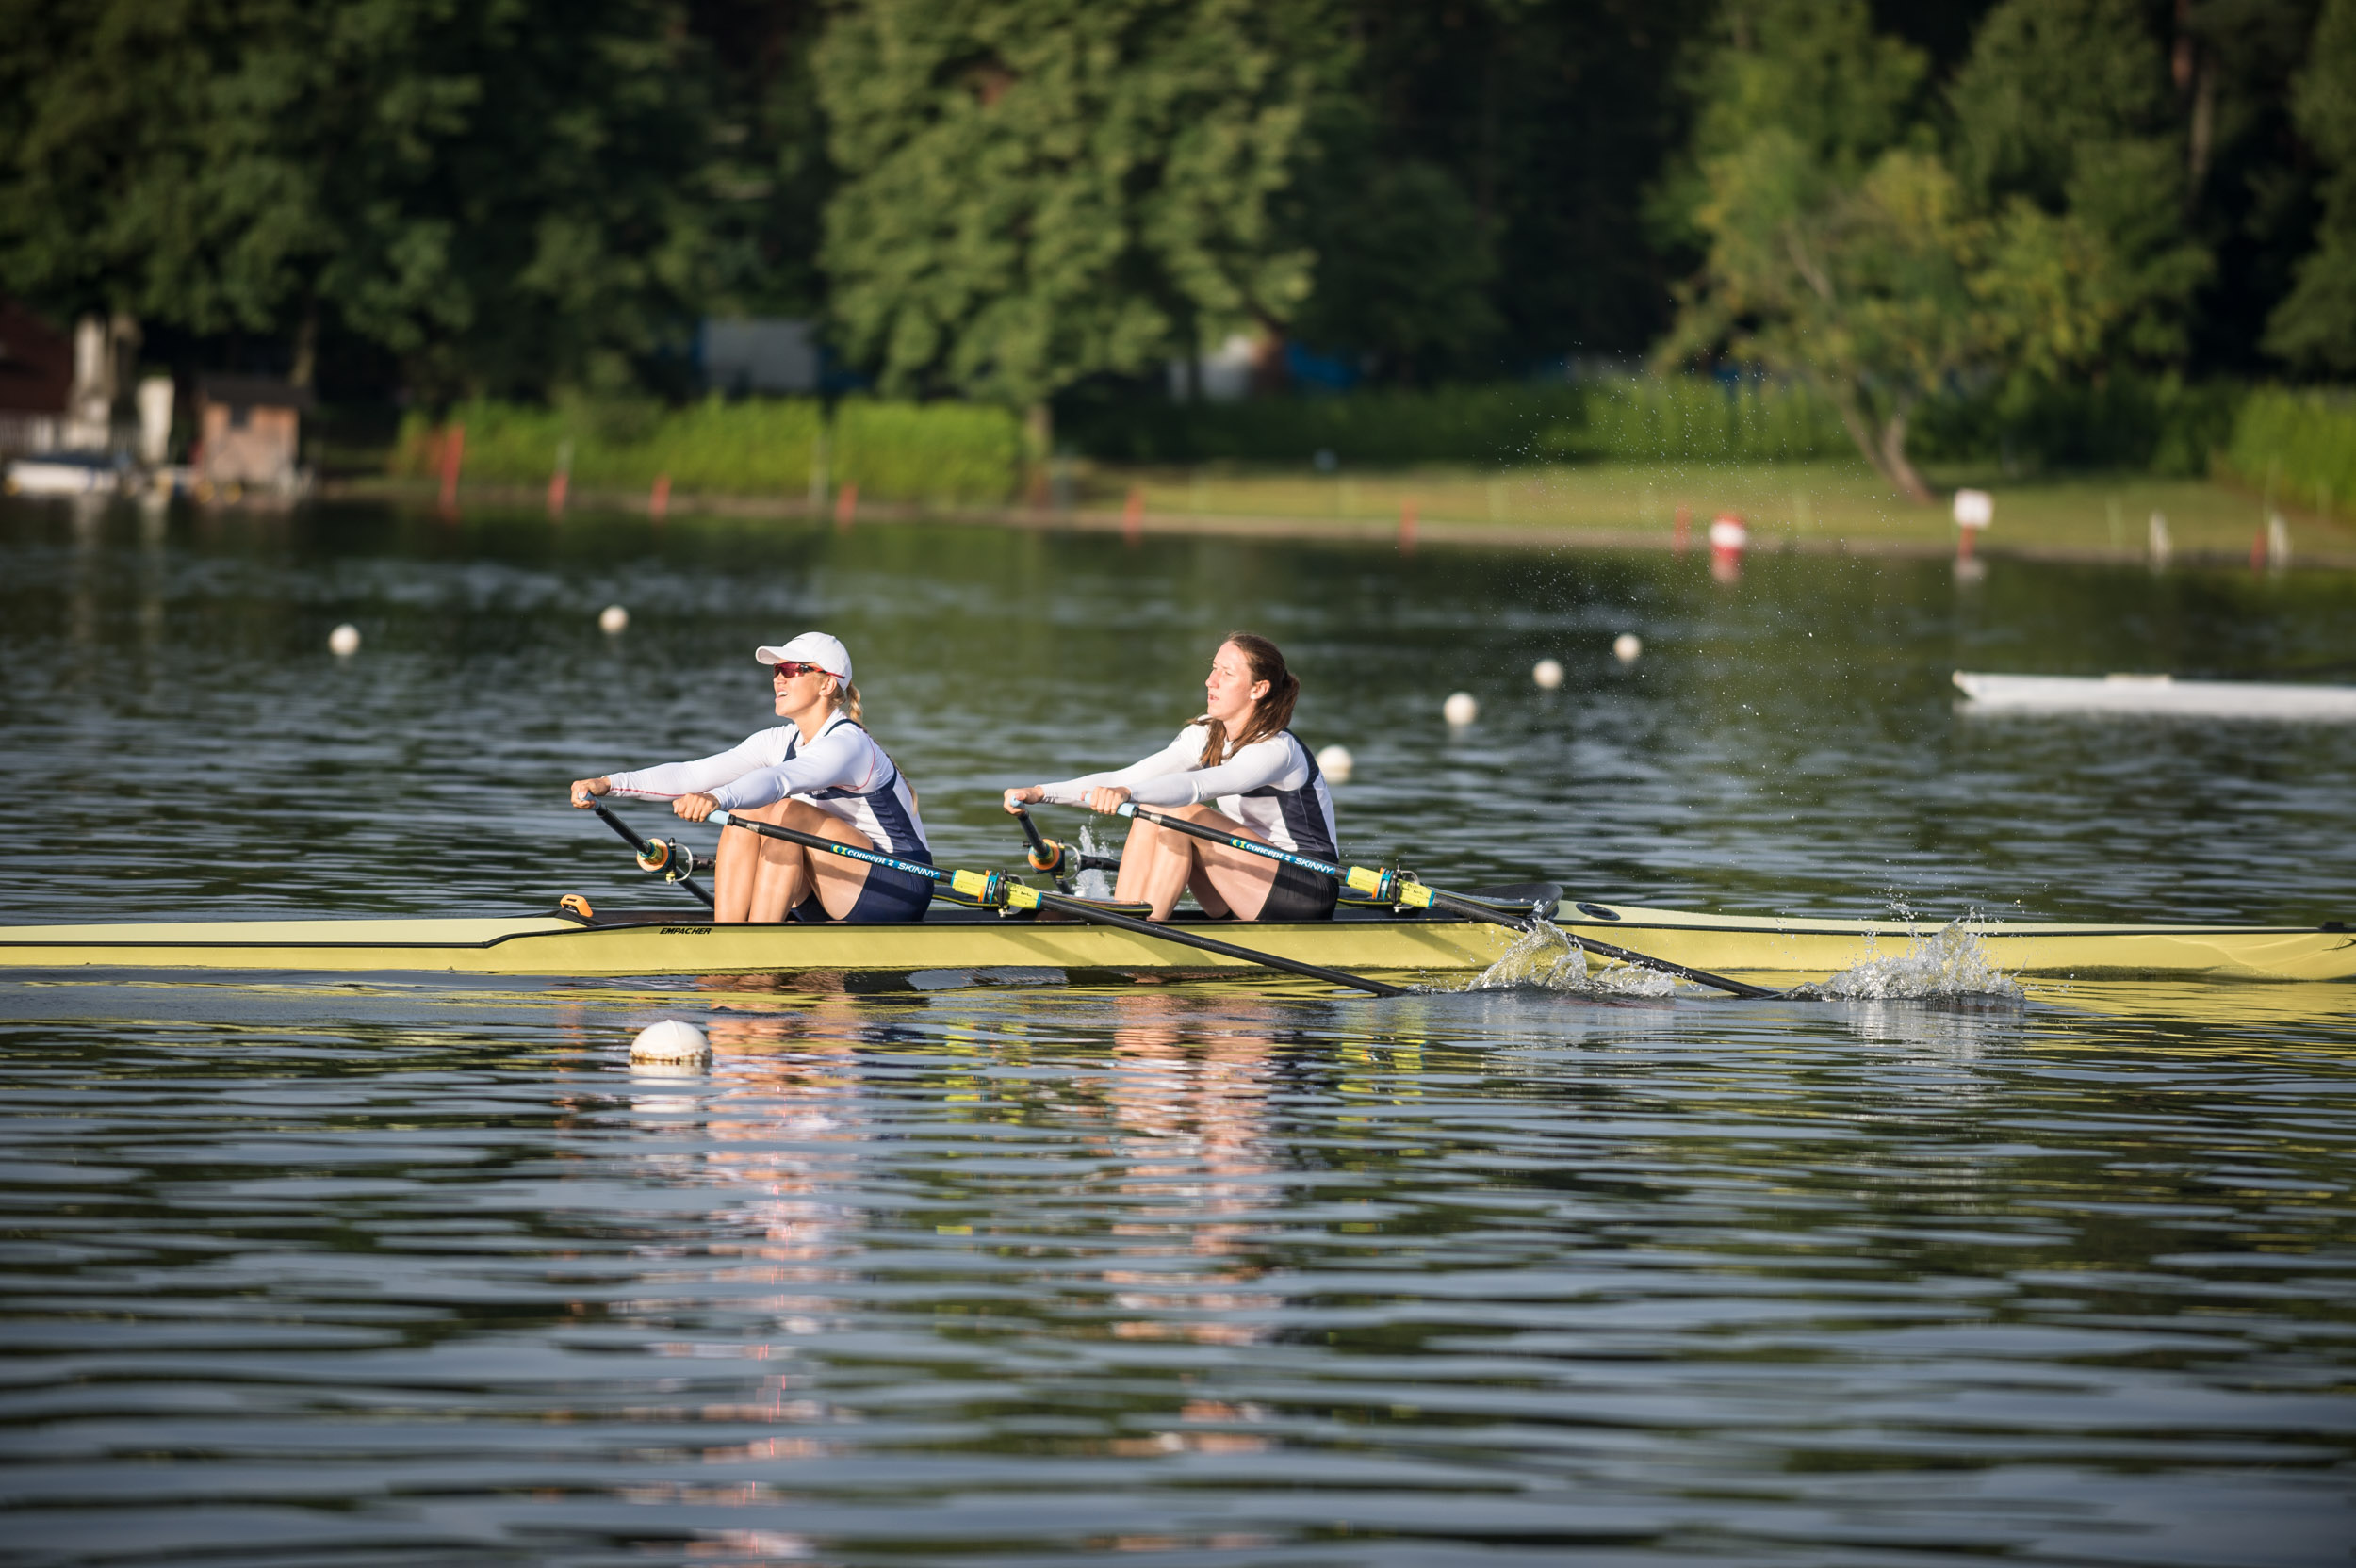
(1259, 780)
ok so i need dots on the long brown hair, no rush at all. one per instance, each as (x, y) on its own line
(1271, 714)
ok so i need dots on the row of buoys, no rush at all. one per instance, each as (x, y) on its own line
(1463, 708)
(345, 640)
(1334, 761)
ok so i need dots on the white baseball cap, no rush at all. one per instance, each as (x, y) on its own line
(811, 648)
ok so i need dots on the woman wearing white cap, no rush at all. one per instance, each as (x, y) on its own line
(1262, 784)
(820, 773)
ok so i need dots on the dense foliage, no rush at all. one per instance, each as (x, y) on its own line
(1848, 244)
(759, 446)
(2299, 447)
(1958, 202)
(2315, 326)
(1643, 418)
(1036, 190)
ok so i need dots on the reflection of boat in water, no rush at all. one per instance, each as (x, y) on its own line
(955, 938)
(2155, 695)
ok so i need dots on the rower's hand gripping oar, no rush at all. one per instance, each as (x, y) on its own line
(1059, 861)
(1390, 888)
(992, 890)
(675, 861)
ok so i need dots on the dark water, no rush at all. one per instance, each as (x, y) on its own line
(394, 1270)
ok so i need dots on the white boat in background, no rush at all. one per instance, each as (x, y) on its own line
(65, 473)
(2154, 695)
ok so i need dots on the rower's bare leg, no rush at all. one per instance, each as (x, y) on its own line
(776, 875)
(784, 875)
(733, 867)
(1223, 880)
(1154, 866)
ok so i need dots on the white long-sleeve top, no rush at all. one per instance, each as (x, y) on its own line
(842, 772)
(1272, 787)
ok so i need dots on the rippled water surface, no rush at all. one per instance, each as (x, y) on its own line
(408, 1269)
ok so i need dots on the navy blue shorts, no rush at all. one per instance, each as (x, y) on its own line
(1298, 895)
(888, 897)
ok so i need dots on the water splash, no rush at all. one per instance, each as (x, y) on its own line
(1547, 958)
(1091, 883)
(1951, 963)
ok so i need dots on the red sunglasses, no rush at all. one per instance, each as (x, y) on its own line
(792, 667)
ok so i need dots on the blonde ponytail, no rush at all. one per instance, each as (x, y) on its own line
(846, 699)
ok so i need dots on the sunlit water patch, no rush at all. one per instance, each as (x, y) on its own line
(400, 1270)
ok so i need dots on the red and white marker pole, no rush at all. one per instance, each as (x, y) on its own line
(1728, 539)
(1974, 511)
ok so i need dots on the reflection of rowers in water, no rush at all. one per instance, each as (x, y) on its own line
(822, 774)
(1265, 785)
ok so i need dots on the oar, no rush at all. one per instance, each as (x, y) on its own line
(990, 888)
(675, 861)
(1386, 887)
(1055, 858)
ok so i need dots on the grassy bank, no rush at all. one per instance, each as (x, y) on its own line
(1819, 502)
(2299, 447)
(945, 452)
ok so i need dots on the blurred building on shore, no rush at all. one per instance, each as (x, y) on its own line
(36, 380)
(250, 432)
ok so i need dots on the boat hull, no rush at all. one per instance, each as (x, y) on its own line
(1780, 950)
(2160, 696)
(1813, 949)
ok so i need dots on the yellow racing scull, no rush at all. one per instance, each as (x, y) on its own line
(1415, 946)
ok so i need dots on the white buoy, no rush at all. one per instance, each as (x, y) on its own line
(1547, 673)
(1627, 647)
(1459, 709)
(672, 1042)
(344, 640)
(1335, 763)
(613, 618)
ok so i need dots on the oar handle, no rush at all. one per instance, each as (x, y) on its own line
(1045, 853)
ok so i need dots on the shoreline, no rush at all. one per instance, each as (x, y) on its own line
(1428, 531)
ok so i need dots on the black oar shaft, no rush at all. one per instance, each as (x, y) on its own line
(645, 849)
(1079, 906)
(1056, 857)
(1044, 856)
(1454, 903)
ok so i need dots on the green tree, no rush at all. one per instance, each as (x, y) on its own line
(2315, 328)
(769, 178)
(1403, 257)
(2063, 109)
(1830, 253)
(1842, 248)
(505, 194)
(1505, 148)
(1036, 190)
(1863, 288)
